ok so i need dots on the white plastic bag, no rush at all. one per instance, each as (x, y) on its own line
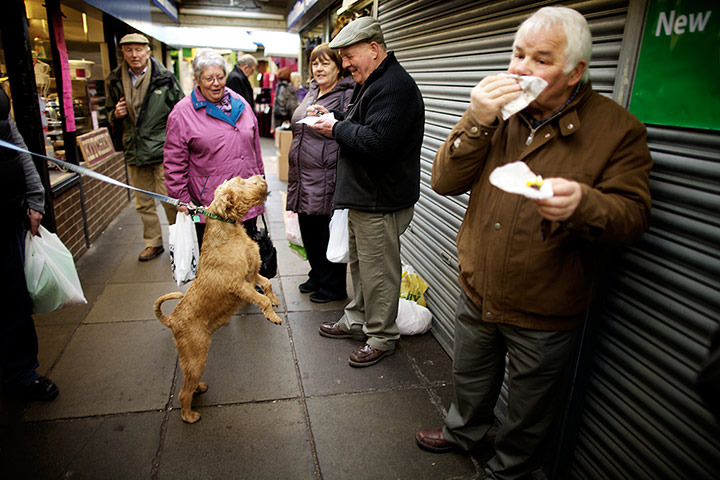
(413, 319)
(338, 250)
(292, 229)
(184, 251)
(50, 274)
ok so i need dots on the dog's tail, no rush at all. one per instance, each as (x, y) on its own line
(164, 319)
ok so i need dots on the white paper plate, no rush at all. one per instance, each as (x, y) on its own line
(513, 178)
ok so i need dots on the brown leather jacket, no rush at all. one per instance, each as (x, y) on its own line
(517, 270)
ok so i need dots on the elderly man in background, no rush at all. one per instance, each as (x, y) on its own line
(237, 79)
(140, 95)
(378, 180)
(528, 268)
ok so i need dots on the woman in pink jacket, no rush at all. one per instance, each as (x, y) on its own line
(212, 136)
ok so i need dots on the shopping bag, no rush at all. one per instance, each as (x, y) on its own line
(184, 251)
(338, 250)
(412, 286)
(50, 274)
(268, 252)
(292, 229)
(412, 319)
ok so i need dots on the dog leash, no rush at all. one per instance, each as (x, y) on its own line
(98, 176)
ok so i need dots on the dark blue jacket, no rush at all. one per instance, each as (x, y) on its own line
(378, 167)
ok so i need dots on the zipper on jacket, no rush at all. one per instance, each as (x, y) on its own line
(532, 135)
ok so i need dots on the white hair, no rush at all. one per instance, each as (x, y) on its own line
(205, 58)
(577, 33)
(247, 60)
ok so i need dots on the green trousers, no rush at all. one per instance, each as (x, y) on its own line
(538, 368)
(376, 273)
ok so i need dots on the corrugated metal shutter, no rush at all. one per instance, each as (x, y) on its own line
(448, 46)
(641, 416)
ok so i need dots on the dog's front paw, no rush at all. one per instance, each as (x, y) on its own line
(190, 417)
(201, 388)
(275, 319)
(273, 299)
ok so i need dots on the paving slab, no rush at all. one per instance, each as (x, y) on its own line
(123, 447)
(300, 302)
(112, 368)
(52, 339)
(43, 450)
(249, 441)
(72, 315)
(289, 262)
(250, 359)
(127, 302)
(98, 263)
(323, 362)
(129, 269)
(372, 435)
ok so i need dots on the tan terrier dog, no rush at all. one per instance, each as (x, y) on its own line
(228, 271)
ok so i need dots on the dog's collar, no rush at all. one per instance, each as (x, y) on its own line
(213, 216)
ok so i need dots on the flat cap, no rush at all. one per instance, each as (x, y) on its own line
(364, 29)
(134, 38)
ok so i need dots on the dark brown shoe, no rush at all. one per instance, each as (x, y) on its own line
(333, 330)
(368, 355)
(433, 440)
(150, 252)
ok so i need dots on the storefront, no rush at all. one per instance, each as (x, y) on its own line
(54, 59)
(319, 21)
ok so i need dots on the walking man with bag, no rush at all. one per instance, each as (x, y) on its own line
(378, 180)
(140, 95)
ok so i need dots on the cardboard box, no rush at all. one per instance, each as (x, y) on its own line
(283, 139)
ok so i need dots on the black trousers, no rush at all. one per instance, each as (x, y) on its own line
(328, 278)
(18, 339)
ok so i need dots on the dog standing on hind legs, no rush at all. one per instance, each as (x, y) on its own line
(228, 271)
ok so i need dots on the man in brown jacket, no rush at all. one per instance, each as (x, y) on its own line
(528, 268)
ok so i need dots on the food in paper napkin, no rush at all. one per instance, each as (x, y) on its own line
(531, 88)
(517, 178)
(313, 120)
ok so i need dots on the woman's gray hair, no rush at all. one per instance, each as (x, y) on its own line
(577, 33)
(205, 58)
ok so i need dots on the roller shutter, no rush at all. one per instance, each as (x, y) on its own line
(641, 417)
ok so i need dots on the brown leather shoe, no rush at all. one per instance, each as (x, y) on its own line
(368, 355)
(150, 252)
(333, 330)
(433, 440)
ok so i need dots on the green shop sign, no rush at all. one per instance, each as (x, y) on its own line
(677, 81)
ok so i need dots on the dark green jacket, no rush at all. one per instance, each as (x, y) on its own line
(143, 144)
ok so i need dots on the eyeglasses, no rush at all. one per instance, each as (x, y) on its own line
(211, 80)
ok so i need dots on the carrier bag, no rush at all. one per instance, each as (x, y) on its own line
(50, 274)
(184, 251)
(338, 250)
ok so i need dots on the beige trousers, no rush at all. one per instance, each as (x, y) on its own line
(376, 273)
(152, 179)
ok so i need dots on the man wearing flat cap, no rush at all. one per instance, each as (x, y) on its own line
(140, 95)
(378, 181)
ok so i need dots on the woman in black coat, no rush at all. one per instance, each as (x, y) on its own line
(311, 175)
